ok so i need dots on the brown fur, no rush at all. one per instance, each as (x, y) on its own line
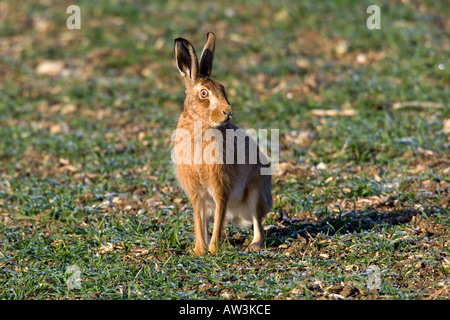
(219, 187)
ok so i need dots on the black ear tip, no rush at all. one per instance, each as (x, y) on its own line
(182, 44)
(210, 33)
(182, 40)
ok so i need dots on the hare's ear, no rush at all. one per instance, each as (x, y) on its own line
(186, 59)
(206, 60)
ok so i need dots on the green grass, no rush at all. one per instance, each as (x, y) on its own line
(85, 172)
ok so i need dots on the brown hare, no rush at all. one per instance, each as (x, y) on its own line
(222, 186)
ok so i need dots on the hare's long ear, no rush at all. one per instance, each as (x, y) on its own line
(206, 60)
(186, 59)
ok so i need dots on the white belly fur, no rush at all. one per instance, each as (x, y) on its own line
(239, 213)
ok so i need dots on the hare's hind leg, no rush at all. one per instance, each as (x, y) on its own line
(258, 231)
(258, 235)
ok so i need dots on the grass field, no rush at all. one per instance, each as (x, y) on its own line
(86, 118)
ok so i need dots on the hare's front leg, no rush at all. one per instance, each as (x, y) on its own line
(200, 225)
(219, 218)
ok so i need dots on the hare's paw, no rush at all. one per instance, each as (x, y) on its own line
(255, 246)
(213, 247)
(199, 251)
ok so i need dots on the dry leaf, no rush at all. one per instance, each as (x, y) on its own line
(321, 166)
(55, 128)
(447, 125)
(417, 104)
(50, 67)
(333, 112)
(64, 161)
(341, 48)
(107, 247)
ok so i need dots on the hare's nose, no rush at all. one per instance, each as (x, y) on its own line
(229, 114)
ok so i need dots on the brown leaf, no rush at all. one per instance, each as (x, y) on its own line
(333, 112)
(50, 68)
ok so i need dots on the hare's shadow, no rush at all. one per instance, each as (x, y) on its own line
(347, 222)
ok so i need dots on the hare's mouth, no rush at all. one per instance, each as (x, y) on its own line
(219, 124)
(227, 120)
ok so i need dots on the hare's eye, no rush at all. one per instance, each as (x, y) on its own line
(204, 93)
